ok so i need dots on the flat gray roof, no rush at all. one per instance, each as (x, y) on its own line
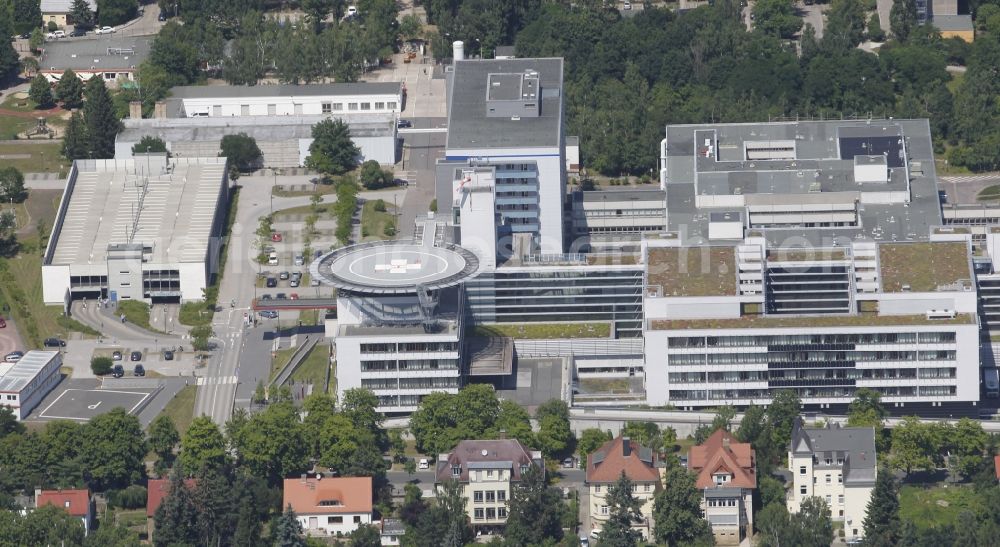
(952, 22)
(140, 201)
(16, 376)
(823, 169)
(468, 124)
(107, 51)
(395, 267)
(304, 90)
(261, 128)
(646, 194)
(63, 6)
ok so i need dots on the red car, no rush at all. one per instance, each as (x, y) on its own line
(276, 237)
(293, 296)
(3, 323)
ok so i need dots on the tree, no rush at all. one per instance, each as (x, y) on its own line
(881, 524)
(40, 92)
(515, 423)
(9, 59)
(288, 532)
(648, 434)
(875, 32)
(533, 514)
(81, 15)
(25, 15)
(912, 445)
(444, 523)
(271, 444)
(163, 437)
(555, 437)
(444, 419)
(967, 442)
(177, 516)
(410, 27)
(373, 177)
(332, 150)
(75, 145)
(202, 446)
(366, 535)
(69, 90)
(242, 152)
(316, 11)
(777, 18)
(12, 187)
(8, 423)
(591, 439)
(149, 144)
(866, 409)
(677, 508)
(623, 510)
(902, 18)
(113, 450)
(810, 527)
(36, 40)
(782, 413)
(359, 406)
(200, 336)
(102, 122)
(217, 507)
(845, 25)
(116, 12)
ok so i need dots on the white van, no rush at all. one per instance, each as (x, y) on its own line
(272, 259)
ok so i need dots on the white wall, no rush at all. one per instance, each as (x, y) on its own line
(55, 283)
(193, 280)
(321, 524)
(290, 105)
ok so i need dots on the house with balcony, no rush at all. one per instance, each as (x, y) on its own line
(607, 464)
(727, 477)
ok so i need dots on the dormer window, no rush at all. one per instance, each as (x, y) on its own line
(721, 478)
(524, 469)
(456, 471)
(329, 503)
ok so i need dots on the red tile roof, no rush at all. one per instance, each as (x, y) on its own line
(75, 502)
(721, 452)
(509, 453)
(996, 466)
(157, 489)
(608, 462)
(328, 496)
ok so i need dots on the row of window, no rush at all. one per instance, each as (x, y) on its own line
(794, 339)
(489, 513)
(635, 488)
(726, 502)
(409, 347)
(409, 383)
(340, 520)
(760, 358)
(804, 392)
(810, 374)
(330, 107)
(489, 496)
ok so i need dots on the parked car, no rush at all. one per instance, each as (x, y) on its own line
(268, 314)
(401, 124)
(77, 32)
(283, 276)
(168, 355)
(271, 282)
(568, 463)
(13, 356)
(293, 283)
(281, 296)
(424, 464)
(135, 356)
(293, 296)
(628, 6)
(272, 259)
(276, 237)
(56, 34)
(116, 355)
(105, 30)
(265, 297)
(118, 371)
(139, 370)
(162, 17)
(299, 260)
(54, 343)
(297, 276)
(352, 11)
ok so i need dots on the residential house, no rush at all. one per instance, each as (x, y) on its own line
(75, 502)
(727, 477)
(487, 470)
(328, 506)
(838, 465)
(606, 465)
(156, 491)
(392, 531)
(59, 11)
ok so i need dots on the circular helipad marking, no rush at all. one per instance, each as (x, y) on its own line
(401, 263)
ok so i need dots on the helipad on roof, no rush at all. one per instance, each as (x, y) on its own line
(395, 267)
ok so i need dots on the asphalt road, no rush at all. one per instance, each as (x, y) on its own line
(420, 151)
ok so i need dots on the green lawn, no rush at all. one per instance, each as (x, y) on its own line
(374, 223)
(313, 368)
(321, 189)
(323, 211)
(41, 158)
(194, 314)
(135, 312)
(540, 331)
(990, 193)
(956, 80)
(181, 408)
(930, 506)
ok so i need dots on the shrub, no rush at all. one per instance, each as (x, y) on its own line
(379, 206)
(53, 26)
(132, 497)
(100, 366)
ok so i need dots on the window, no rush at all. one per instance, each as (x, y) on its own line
(828, 500)
(456, 471)
(392, 105)
(840, 478)
(604, 509)
(338, 106)
(477, 496)
(635, 487)
(489, 473)
(357, 519)
(802, 490)
(502, 512)
(327, 108)
(366, 106)
(828, 478)
(840, 499)
(352, 106)
(380, 106)
(597, 488)
(334, 520)
(713, 503)
(841, 512)
(491, 496)
(491, 513)
(110, 75)
(647, 488)
(478, 514)
(501, 495)
(802, 470)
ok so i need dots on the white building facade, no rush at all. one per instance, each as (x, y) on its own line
(25, 383)
(287, 100)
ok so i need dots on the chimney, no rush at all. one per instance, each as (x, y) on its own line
(626, 447)
(725, 442)
(502, 435)
(134, 110)
(160, 110)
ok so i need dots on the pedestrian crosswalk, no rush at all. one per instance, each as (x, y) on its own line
(217, 380)
(971, 178)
